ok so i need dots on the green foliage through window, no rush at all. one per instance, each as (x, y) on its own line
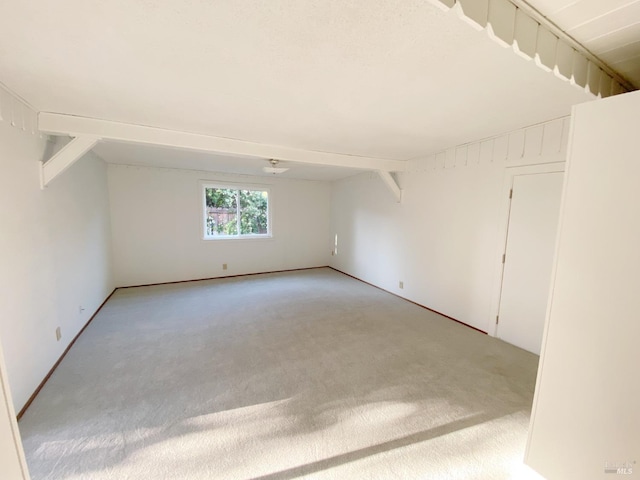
(236, 212)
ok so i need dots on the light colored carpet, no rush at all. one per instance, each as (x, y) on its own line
(308, 374)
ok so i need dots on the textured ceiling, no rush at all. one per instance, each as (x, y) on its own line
(609, 29)
(391, 79)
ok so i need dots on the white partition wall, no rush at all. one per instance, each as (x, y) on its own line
(12, 462)
(586, 416)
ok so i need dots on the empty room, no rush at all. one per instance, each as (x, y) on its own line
(319, 239)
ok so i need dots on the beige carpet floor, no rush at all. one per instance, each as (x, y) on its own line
(307, 374)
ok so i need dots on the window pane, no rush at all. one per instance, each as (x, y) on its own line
(253, 212)
(221, 211)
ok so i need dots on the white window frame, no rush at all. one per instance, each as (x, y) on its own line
(233, 186)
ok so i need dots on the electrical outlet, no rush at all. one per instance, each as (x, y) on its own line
(401, 284)
(58, 334)
(80, 309)
(224, 266)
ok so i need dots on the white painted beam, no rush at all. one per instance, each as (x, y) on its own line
(60, 124)
(444, 4)
(564, 60)
(605, 85)
(66, 157)
(593, 78)
(514, 23)
(617, 88)
(502, 21)
(546, 24)
(546, 49)
(391, 184)
(580, 66)
(476, 12)
(525, 35)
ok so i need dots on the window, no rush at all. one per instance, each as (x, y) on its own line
(235, 212)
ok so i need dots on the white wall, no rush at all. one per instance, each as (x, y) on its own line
(442, 240)
(586, 410)
(156, 222)
(55, 246)
(12, 460)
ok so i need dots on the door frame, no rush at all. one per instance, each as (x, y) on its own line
(15, 457)
(505, 214)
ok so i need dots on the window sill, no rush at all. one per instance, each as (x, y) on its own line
(244, 238)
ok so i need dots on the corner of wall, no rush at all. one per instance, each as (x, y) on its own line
(17, 112)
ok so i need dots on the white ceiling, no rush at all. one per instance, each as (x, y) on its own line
(610, 29)
(394, 79)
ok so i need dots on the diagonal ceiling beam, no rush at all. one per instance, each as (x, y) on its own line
(391, 184)
(66, 157)
(61, 124)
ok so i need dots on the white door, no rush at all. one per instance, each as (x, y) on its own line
(531, 237)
